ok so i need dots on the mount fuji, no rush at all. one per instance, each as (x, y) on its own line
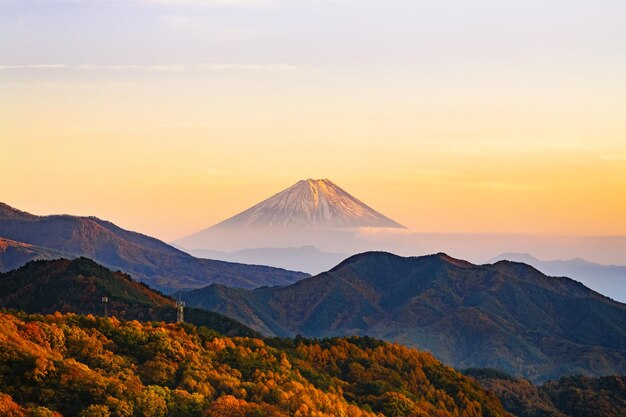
(310, 212)
(310, 203)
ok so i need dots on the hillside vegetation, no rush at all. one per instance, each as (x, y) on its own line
(573, 396)
(91, 366)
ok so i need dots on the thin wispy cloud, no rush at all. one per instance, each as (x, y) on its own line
(212, 3)
(274, 67)
(34, 66)
(186, 3)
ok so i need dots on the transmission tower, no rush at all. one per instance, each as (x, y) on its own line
(105, 301)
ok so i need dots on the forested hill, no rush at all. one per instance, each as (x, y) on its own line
(91, 366)
(507, 315)
(572, 396)
(78, 285)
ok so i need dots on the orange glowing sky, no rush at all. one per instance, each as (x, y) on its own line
(167, 117)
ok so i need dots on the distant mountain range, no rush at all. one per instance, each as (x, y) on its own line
(77, 286)
(310, 211)
(507, 315)
(609, 280)
(308, 259)
(26, 236)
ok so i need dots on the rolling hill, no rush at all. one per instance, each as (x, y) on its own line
(507, 315)
(78, 285)
(150, 260)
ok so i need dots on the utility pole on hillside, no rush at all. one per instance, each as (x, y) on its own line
(180, 311)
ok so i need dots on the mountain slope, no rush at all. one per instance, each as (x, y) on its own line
(507, 315)
(606, 279)
(310, 203)
(77, 286)
(15, 254)
(574, 396)
(148, 259)
(306, 213)
(91, 366)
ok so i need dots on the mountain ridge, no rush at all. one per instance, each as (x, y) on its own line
(146, 258)
(606, 279)
(14, 254)
(507, 315)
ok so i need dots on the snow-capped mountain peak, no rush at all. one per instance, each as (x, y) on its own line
(311, 203)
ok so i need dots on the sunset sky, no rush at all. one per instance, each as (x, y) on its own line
(167, 116)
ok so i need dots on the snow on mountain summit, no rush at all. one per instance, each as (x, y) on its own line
(310, 203)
